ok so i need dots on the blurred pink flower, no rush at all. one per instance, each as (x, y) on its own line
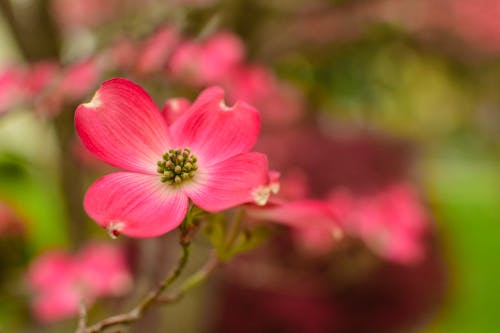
(100, 259)
(39, 77)
(122, 54)
(155, 51)
(61, 281)
(392, 222)
(313, 223)
(207, 62)
(79, 78)
(84, 13)
(278, 102)
(51, 269)
(11, 84)
(203, 156)
(477, 22)
(468, 23)
(70, 84)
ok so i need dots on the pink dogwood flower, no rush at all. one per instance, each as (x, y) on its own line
(280, 103)
(39, 77)
(392, 223)
(155, 51)
(76, 14)
(174, 108)
(207, 62)
(11, 84)
(79, 78)
(122, 54)
(312, 222)
(56, 85)
(61, 281)
(203, 156)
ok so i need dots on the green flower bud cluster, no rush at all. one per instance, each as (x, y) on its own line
(177, 166)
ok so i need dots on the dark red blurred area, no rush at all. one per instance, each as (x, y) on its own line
(280, 288)
(362, 162)
(348, 292)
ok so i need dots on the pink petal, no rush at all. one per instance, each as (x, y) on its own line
(123, 54)
(392, 223)
(219, 55)
(123, 127)
(71, 14)
(53, 267)
(61, 302)
(174, 108)
(11, 81)
(207, 62)
(184, 62)
(315, 240)
(135, 204)
(41, 75)
(298, 214)
(228, 183)
(315, 227)
(103, 269)
(214, 131)
(80, 78)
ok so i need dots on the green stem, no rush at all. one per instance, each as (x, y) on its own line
(201, 275)
(193, 281)
(152, 296)
(235, 229)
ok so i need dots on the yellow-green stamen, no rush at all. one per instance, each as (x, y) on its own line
(177, 166)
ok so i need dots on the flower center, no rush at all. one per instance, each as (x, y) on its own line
(177, 166)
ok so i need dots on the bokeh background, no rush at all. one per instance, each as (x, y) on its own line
(363, 93)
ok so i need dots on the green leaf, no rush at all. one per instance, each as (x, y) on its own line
(36, 199)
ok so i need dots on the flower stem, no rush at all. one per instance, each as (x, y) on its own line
(137, 312)
(193, 281)
(235, 228)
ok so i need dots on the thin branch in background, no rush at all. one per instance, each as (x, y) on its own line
(82, 318)
(33, 29)
(71, 180)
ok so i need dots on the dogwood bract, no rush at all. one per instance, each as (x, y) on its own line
(203, 156)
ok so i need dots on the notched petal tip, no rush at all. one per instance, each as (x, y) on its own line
(274, 181)
(223, 105)
(217, 93)
(115, 229)
(95, 102)
(261, 195)
(274, 188)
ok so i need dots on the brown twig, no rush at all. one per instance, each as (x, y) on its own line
(137, 312)
(82, 320)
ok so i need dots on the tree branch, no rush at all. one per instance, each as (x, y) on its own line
(137, 312)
